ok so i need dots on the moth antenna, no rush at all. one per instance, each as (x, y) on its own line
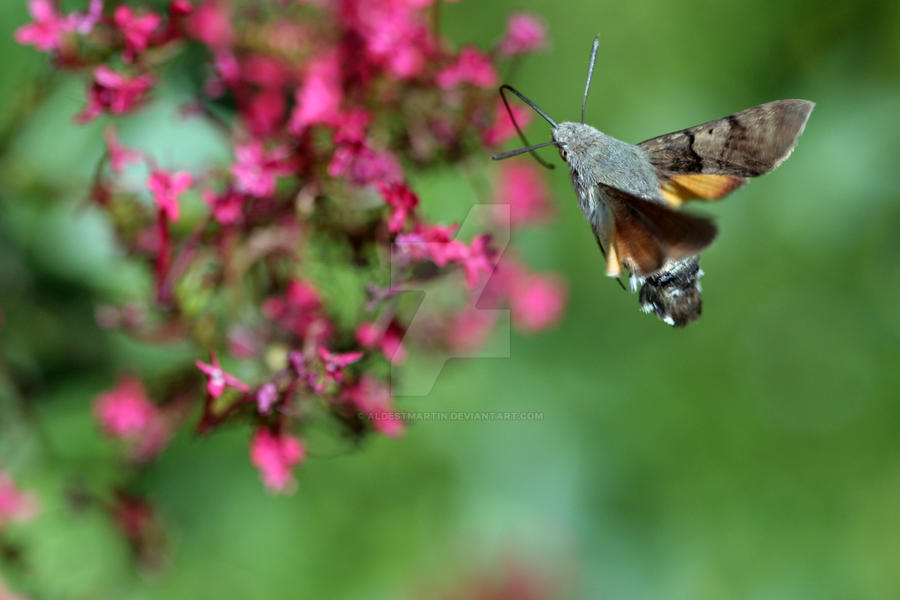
(528, 148)
(587, 85)
(519, 151)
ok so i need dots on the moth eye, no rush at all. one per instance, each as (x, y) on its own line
(563, 154)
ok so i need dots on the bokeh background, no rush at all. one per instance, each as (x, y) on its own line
(755, 454)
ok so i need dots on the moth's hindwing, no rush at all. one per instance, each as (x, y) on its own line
(645, 235)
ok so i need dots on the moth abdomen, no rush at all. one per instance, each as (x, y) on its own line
(673, 293)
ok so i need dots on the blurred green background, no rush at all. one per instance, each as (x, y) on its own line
(752, 455)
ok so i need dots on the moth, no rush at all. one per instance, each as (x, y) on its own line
(631, 194)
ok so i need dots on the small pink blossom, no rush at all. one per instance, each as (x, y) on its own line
(85, 22)
(210, 22)
(166, 188)
(136, 29)
(536, 301)
(218, 379)
(502, 129)
(434, 243)
(125, 410)
(49, 27)
(227, 207)
(521, 185)
(299, 311)
(388, 339)
(401, 200)
(319, 97)
(119, 155)
(336, 363)
(257, 169)
(114, 93)
(472, 66)
(524, 33)
(469, 329)
(476, 260)
(361, 165)
(15, 505)
(265, 111)
(266, 397)
(373, 397)
(275, 456)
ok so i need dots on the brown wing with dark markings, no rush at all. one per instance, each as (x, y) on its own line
(727, 150)
(646, 234)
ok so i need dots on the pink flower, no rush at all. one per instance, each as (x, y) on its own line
(266, 397)
(256, 169)
(210, 22)
(166, 188)
(49, 27)
(393, 32)
(476, 260)
(15, 505)
(119, 155)
(536, 301)
(85, 22)
(125, 410)
(217, 379)
(389, 339)
(265, 111)
(319, 98)
(469, 329)
(402, 202)
(524, 33)
(227, 208)
(502, 129)
(434, 243)
(373, 397)
(275, 456)
(114, 93)
(472, 66)
(361, 165)
(521, 185)
(299, 311)
(136, 29)
(336, 363)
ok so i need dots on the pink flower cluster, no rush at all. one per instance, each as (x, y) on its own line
(283, 260)
(15, 504)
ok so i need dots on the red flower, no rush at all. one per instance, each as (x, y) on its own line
(471, 66)
(521, 185)
(218, 380)
(136, 29)
(119, 155)
(524, 33)
(125, 411)
(275, 456)
(402, 202)
(166, 188)
(114, 93)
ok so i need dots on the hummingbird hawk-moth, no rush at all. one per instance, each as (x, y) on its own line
(631, 195)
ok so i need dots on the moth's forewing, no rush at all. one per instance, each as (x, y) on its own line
(647, 234)
(745, 144)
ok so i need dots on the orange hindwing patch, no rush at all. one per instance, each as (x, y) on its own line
(680, 188)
